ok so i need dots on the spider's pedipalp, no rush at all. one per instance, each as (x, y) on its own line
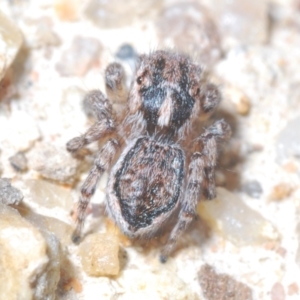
(210, 97)
(115, 83)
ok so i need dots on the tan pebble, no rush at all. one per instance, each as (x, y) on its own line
(23, 259)
(100, 254)
(73, 283)
(281, 191)
(293, 289)
(277, 292)
(281, 251)
(240, 100)
(290, 167)
(67, 10)
(271, 245)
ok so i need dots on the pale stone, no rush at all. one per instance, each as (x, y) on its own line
(242, 22)
(48, 194)
(53, 162)
(22, 127)
(59, 228)
(113, 13)
(46, 283)
(23, 256)
(235, 221)
(288, 141)
(83, 54)
(99, 254)
(163, 283)
(42, 33)
(189, 28)
(10, 43)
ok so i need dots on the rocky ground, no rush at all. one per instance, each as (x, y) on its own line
(245, 243)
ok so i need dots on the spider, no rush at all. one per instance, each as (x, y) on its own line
(152, 178)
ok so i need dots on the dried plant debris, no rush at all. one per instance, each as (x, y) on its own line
(222, 286)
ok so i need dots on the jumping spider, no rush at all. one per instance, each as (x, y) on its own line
(153, 177)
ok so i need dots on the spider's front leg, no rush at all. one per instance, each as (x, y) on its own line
(102, 163)
(201, 180)
(99, 106)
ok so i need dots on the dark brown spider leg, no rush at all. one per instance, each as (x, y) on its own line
(115, 83)
(200, 175)
(101, 164)
(98, 105)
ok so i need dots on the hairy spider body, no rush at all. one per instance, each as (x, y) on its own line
(152, 178)
(139, 198)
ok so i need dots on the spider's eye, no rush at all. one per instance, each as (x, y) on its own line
(139, 80)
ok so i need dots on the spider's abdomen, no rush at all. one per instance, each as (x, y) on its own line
(145, 183)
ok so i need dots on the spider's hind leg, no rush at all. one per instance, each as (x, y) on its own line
(201, 180)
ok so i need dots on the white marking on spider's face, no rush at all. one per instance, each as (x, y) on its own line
(165, 112)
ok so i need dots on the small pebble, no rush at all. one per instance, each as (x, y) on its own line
(188, 27)
(252, 188)
(83, 54)
(43, 33)
(52, 162)
(293, 289)
(126, 51)
(288, 141)
(243, 22)
(18, 162)
(221, 286)
(48, 194)
(100, 255)
(24, 259)
(277, 292)
(23, 135)
(234, 220)
(127, 54)
(240, 100)
(113, 13)
(67, 10)
(281, 191)
(9, 195)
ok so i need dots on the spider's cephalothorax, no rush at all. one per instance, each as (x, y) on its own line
(150, 181)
